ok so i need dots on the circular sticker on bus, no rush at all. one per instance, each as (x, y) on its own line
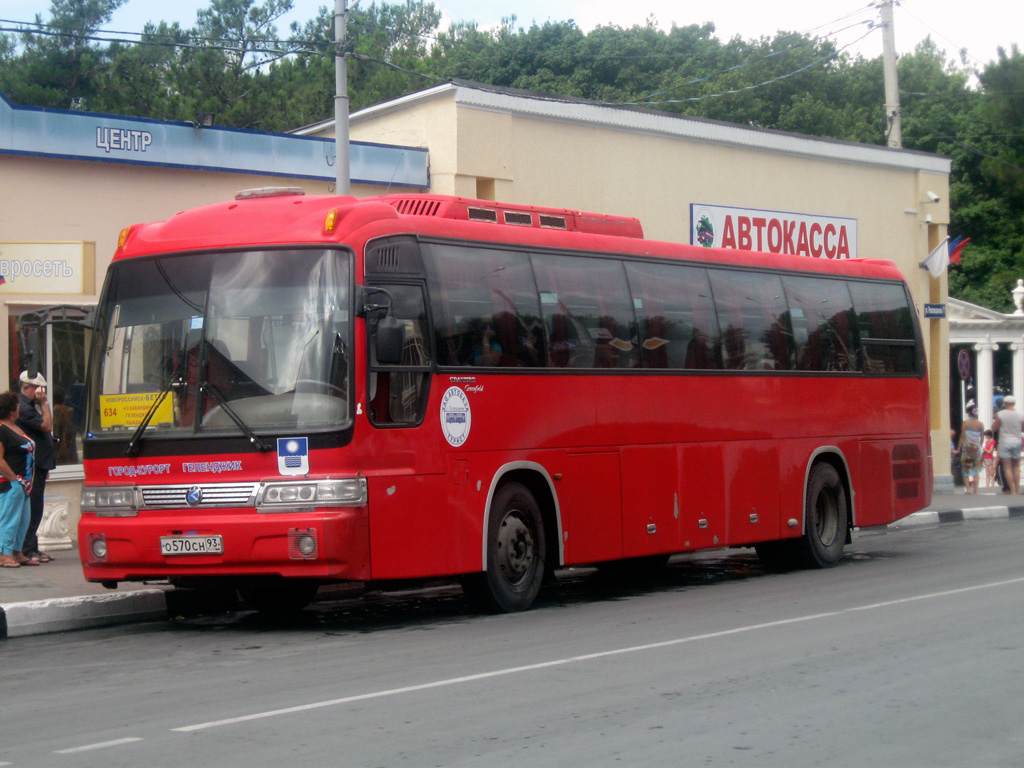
(455, 416)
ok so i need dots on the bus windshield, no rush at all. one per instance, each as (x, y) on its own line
(200, 342)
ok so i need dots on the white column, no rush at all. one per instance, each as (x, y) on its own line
(985, 377)
(1018, 370)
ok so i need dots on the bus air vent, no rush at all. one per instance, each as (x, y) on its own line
(552, 222)
(417, 206)
(483, 214)
(907, 470)
(393, 256)
(908, 489)
(387, 260)
(518, 218)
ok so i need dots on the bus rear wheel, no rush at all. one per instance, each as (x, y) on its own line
(825, 518)
(515, 554)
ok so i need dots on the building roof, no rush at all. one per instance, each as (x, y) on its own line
(627, 118)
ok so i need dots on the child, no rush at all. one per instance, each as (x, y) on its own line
(990, 458)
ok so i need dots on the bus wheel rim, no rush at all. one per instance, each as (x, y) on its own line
(516, 548)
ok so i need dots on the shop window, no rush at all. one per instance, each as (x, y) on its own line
(62, 343)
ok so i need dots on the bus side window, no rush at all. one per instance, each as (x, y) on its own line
(754, 320)
(398, 393)
(675, 316)
(823, 333)
(587, 311)
(484, 305)
(885, 322)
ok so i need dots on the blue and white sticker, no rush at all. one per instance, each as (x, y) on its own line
(456, 417)
(293, 455)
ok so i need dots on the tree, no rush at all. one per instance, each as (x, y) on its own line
(60, 64)
(988, 188)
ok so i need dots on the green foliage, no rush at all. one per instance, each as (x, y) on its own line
(234, 64)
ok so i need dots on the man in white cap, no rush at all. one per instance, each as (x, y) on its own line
(36, 419)
(1009, 422)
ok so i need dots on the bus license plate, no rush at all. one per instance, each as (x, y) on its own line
(191, 545)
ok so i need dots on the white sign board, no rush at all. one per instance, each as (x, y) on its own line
(748, 229)
(48, 268)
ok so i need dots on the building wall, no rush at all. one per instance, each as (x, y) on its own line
(523, 156)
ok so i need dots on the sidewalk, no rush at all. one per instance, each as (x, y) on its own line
(54, 597)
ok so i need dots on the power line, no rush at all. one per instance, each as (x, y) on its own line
(804, 43)
(706, 96)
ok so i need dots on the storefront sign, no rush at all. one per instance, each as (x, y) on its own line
(748, 229)
(48, 268)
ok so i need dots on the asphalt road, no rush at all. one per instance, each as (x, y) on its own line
(909, 653)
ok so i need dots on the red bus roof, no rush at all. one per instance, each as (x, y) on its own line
(276, 217)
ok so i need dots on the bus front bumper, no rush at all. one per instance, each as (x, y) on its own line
(328, 544)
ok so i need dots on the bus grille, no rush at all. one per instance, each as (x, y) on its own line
(208, 495)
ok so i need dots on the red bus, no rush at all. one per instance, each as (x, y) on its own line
(288, 390)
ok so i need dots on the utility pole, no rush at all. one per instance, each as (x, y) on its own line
(341, 155)
(893, 130)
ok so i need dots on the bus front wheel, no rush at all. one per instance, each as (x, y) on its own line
(515, 554)
(825, 518)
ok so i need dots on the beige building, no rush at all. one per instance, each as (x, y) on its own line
(75, 179)
(671, 172)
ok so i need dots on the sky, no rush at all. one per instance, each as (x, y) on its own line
(979, 26)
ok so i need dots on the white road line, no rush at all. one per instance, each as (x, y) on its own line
(100, 745)
(585, 657)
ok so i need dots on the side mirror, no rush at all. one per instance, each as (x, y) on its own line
(390, 338)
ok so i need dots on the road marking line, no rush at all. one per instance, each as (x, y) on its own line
(582, 658)
(100, 745)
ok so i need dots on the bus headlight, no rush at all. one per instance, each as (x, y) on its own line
(110, 501)
(307, 494)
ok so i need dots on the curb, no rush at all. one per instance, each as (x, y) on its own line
(60, 614)
(930, 517)
(36, 617)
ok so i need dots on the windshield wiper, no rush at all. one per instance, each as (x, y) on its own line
(132, 449)
(222, 401)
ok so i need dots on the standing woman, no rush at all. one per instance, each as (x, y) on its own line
(16, 469)
(970, 448)
(1008, 423)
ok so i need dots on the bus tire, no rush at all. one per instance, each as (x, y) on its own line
(279, 597)
(825, 518)
(516, 547)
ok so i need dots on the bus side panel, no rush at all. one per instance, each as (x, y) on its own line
(893, 480)
(701, 500)
(752, 491)
(413, 526)
(794, 464)
(650, 500)
(590, 498)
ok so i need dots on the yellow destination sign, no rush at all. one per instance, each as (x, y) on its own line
(130, 410)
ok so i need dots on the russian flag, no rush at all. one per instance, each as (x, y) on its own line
(2, 279)
(956, 247)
